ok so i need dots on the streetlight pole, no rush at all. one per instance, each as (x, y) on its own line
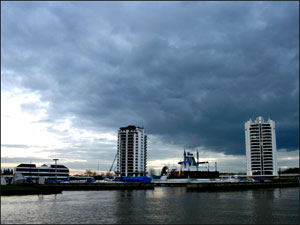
(55, 169)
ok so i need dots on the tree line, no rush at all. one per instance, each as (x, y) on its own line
(7, 171)
(294, 170)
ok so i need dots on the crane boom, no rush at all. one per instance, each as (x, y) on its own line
(113, 163)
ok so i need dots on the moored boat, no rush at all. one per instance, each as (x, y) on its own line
(192, 169)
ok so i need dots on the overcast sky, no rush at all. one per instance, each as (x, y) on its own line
(190, 73)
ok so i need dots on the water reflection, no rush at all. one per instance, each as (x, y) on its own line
(277, 194)
(125, 209)
(162, 205)
(40, 198)
(260, 206)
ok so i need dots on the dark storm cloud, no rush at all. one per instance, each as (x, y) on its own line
(192, 73)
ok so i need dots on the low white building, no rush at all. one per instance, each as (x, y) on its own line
(37, 174)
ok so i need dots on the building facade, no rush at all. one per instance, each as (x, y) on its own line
(52, 172)
(132, 151)
(261, 148)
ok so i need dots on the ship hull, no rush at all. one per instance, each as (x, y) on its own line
(193, 174)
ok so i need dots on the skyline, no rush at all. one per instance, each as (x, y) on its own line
(190, 73)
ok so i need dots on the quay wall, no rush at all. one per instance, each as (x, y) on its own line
(238, 185)
(27, 189)
(103, 186)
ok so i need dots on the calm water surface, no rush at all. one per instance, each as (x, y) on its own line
(168, 205)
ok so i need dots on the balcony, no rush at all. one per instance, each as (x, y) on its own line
(255, 156)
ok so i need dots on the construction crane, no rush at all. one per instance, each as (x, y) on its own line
(113, 163)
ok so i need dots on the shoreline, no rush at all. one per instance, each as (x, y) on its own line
(233, 186)
(41, 189)
(29, 189)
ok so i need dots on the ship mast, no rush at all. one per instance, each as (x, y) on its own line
(184, 158)
(197, 160)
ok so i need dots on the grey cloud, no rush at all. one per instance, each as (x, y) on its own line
(192, 73)
(33, 160)
(19, 146)
(14, 146)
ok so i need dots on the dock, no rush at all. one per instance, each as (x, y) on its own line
(29, 189)
(103, 186)
(230, 186)
(171, 183)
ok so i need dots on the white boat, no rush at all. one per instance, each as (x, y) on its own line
(191, 169)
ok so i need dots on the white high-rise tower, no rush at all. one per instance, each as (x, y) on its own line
(261, 148)
(132, 151)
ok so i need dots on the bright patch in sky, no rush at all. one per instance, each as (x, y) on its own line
(25, 135)
(21, 128)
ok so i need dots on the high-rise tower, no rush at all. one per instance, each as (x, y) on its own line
(132, 151)
(261, 147)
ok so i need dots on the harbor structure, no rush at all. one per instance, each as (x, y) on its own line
(31, 172)
(132, 152)
(190, 168)
(261, 148)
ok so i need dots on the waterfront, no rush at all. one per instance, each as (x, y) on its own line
(168, 205)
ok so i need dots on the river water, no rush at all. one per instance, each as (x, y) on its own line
(167, 205)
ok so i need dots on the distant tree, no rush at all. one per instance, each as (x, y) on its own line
(77, 175)
(88, 173)
(99, 177)
(109, 174)
(7, 171)
(294, 170)
(164, 171)
(152, 172)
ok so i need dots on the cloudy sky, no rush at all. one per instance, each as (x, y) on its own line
(190, 73)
